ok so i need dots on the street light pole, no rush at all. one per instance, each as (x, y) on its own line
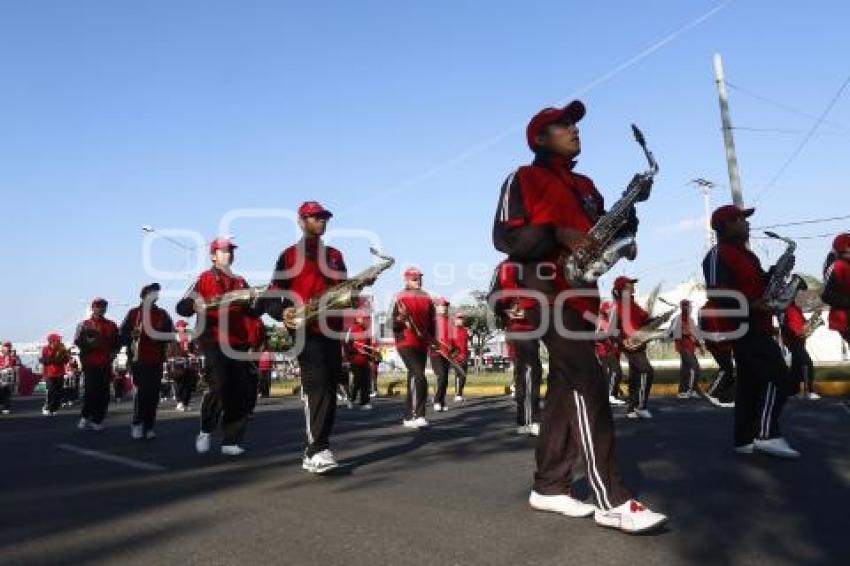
(705, 186)
(189, 249)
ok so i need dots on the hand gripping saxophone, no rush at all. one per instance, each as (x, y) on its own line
(782, 286)
(587, 265)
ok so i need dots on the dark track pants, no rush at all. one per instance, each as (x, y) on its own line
(441, 375)
(95, 392)
(147, 378)
(723, 384)
(417, 386)
(360, 384)
(321, 368)
(460, 377)
(577, 421)
(614, 371)
(528, 374)
(689, 371)
(802, 366)
(225, 401)
(184, 386)
(55, 387)
(641, 376)
(762, 386)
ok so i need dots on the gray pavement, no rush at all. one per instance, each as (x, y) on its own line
(451, 494)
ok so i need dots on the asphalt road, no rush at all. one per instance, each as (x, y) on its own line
(451, 494)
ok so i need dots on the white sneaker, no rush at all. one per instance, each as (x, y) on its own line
(136, 432)
(232, 450)
(563, 504)
(631, 415)
(373, 394)
(745, 448)
(613, 401)
(180, 407)
(150, 435)
(95, 426)
(437, 407)
(458, 399)
(644, 413)
(684, 395)
(420, 422)
(349, 404)
(409, 423)
(630, 517)
(813, 396)
(202, 443)
(366, 407)
(83, 424)
(45, 412)
(6, 411)
(534, 429)
(320, 462)
(778, 447)
(523, 430)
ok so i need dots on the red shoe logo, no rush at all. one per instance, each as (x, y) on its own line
(636, 507)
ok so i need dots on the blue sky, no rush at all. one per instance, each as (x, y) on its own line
(402, 117)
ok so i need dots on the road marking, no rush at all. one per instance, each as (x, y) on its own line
(139, 465)
(845, 407)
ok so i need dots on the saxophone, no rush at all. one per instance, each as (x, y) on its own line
(783, 285)
(587, 265)
(648, 332)
(341, 295)
(814, 322)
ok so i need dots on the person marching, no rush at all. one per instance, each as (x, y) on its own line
(836, 286)
(608, 353)
(306, 270)
(413, 322)
(763, 382)
(99, 343)
(256, 340)
(792, 325)
(628, 318)
(686, 342)
(715, 329)
(359, 349)
(264, 366)
(146, 331)
(71, 389)
(544, 209)
(439, 361)
(54, 356)
(181, 353)
(511, 311)
(223, 327)
(9, 364)
(460, 349)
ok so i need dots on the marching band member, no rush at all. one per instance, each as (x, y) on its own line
(686, 343)
(413, 322)
(54, 356)
(98, 341)
(181, 365)
(608, 353)
(359, 348)
(439, 363)
(460, 349)
(525, 352)
(306, 270)
(629, 317)
(763, 382)
(257, 337)
(10, 362)
(146, 331)
(264, 366)
(792, 325)
(545, 208)
(226, 398)
(71, 389)
(836, 287)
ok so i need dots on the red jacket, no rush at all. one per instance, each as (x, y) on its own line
(214, 283)
(421, 310)
(53, 360)
(106, 347)
(629, 320)
(265, 361)
(507, 279)
(151, 350)
(685, 340)
(792, 324)
(536, 201)
(606, 346)
(460, 341)
(307, 269)
(9, 361)
(357, 343)
(837, 281)
(443, 327)
(712, 326)
(731, 266)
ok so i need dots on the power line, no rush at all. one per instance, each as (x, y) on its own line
(782, 106)
(808, 237)
(781, 131)
(802, 222)
(805, 141)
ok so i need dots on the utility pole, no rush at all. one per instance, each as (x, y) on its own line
(728, 140)
(705, 186)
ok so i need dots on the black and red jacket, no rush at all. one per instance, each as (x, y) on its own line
(713, 327)
(53, 359)
(731, 266)
(215, 283)
(535, 201)
(107, 345)
(684, 337)
(836, 293)
(443, 333)
(357, 344)
(606, 346)
(792, 324)
(506, 279)
(307, 269)
(628, 317)
(420, 307)
(460, 344)
(151, 350)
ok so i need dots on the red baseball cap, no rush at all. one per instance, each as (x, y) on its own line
(841, 242)
(441, 302)
(572, 113)
(313, 208)
(621, 281)
(222, 243)
(7, 344)
(53, 337)
(728, 212)
(181, 324)
(412, 273)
